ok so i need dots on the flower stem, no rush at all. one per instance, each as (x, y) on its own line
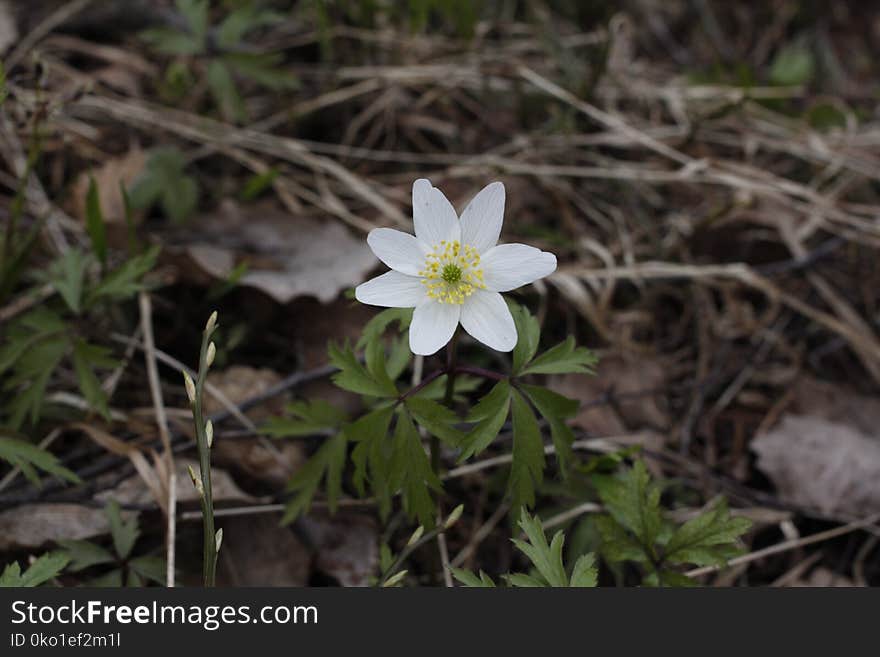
(451, 358)
(204, 449)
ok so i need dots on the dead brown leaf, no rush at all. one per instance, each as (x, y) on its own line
(616, 374)
(822, 464)
(347, 546)
(257, 551)
(108, 177)
(287, 256)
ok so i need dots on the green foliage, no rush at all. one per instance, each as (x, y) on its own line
(222, 52)
(546, 558)
(489, 414)
(47, 567)
(309, 419)
(794, 64)
(30, 458)
(636, 530)
(411, 471)
(387, 452)
(116, 566)
(165, 182)
(527, 467)
(38, 342)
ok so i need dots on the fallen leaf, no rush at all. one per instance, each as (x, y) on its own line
(287, 256)
(822, 464)
(346, 545)
(822, 577)
(616, 374)
(241, 382)
(32, 526)
(257, 551)
(133, 491)
(108, 177)
(269, 461)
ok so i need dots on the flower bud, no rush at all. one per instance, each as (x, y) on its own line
(395, 579)
(416, 535)
(190, 387)
(196, 481)
(454, 516)
(209, 432)
(212, 322)
(209, 356)
(218, 539)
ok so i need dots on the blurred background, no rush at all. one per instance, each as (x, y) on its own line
(706, 172)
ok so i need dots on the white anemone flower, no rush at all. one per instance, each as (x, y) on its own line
(453, 271)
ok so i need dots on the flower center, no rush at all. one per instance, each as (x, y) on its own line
(452, 272)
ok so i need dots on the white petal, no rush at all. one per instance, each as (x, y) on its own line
(507, 266)
(487, 318)
(482, 218)
(400, 251)
(433, 324)
(391, 290)
(433, 214)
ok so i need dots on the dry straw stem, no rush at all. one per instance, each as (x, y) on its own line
(168, 476)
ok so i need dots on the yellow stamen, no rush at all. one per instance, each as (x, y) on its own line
(452, 272)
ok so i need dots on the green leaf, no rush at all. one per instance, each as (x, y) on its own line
(617, 543)
(564, 358)
(111, 579)
(708, 539)
(436, 419)
(584, 574)
(84, 554)
(40, 571)
(225, 92)
(794, 64)
(85, 357)
(521, 580)
(668, 578)
(150, 568)
(376, 327)
(95, 222)
(266, 69)
(125, 532)
(528, 336)
(556, 408)
(43, 569)
(310, 418)
(259, 183)
(633, 500)
(327, 463)
(196, 14)
(171, 42)
(527, 468)
(21, 454)
(67, 275)
(470, 580)
(375, 361)
(368, 456)
(239, 22)
(31, 376)
(125, 281)
(489, 414)
(411, 472)
(354, 377)
(547, 559)
(164, 181)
